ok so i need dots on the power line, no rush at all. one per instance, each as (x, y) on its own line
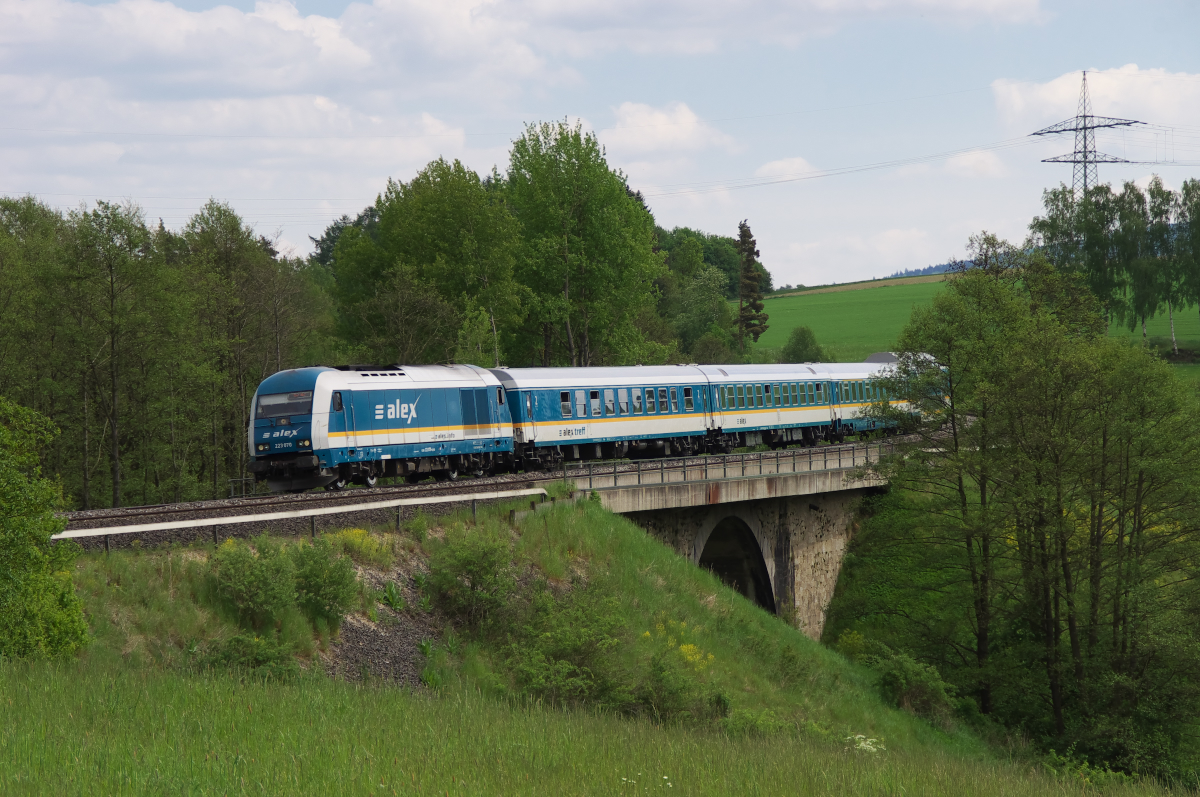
(1085, 157)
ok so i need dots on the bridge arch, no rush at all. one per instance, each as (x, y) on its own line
(735, 549)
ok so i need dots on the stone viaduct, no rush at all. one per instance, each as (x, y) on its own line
(773, 526)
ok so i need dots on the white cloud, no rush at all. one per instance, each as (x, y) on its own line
(977, 163)
(675, 127)
(786, 167)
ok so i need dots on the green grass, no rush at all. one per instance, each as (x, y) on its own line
(68, 731)
(131, 715)
(849, 324)
(853, 324)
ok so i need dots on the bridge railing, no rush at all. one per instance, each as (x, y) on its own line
(732, 466)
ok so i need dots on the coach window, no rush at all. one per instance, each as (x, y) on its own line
(814, 390)
(565, 399)
(797, 394)
(637, 401)
(741, 397)
(662, 400)
(623, 400)
(610, 407)
(594, 399)
(651, 406)
(758, 395)
(688, 406)
(767, 391)
(581, 403)
(674, 399)
(776, 389)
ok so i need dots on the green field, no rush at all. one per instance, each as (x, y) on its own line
(849, 324)
(864, 318)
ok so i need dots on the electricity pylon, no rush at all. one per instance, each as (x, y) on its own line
(1085, 157)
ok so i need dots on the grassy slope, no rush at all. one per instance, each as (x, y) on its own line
(855, 320)
(849, 324)
(122, 721)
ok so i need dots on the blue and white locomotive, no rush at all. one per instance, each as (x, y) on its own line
(314, 427)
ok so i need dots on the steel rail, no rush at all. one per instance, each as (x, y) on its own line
(298, 513)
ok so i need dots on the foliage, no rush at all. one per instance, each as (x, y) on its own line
(363, 547)
(1043, 516)
(751, 320)
(325, 583)
(587, 254)
(256, 585)
(471, 572)
(39, 611)
(802, 347)
(393, 598)
(253, 655)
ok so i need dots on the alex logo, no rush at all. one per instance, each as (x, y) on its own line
(281, 433)
(406, 412)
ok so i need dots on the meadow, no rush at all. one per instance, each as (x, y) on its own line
(855, 320)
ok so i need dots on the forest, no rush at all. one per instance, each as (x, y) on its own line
(144, 345)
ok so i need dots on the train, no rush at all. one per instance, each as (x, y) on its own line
(336, 426)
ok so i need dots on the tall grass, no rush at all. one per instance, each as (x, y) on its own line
(74, 731)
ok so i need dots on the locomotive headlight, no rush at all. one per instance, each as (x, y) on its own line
(261, 447)
(304, 443)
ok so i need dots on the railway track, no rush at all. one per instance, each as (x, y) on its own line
(586, 475)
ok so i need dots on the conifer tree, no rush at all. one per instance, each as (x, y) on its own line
(751, 320)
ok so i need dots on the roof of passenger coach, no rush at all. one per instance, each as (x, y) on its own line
(631, 375)
(792, 371)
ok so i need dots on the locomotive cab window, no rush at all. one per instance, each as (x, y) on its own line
(337, 402)
(687, 399)
(279, 405)
(500, 396)
(637, 401)
(594, 397)
(565, 399)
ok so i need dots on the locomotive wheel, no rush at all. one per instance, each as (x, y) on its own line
(337, 485)
(370, 480)
(448, 475)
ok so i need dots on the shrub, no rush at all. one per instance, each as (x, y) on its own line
(908, 684)
(256, 585)
(471, 572)
(563, 651)
(261, 656)
(325, 582)
(363, 547)
(801, 347)
(40, 613)
(674, 685)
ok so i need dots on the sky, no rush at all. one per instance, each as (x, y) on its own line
(857, 137)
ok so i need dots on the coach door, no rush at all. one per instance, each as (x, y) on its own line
(530, 408)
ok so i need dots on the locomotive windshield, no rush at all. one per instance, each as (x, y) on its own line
(276, 405)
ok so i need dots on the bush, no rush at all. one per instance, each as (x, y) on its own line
(801, 347)
(256, 585)
(40, 614)
(261, 656)
(363, 547)
(471, 572)
(325, 583)
(563, 651)
(674, 685)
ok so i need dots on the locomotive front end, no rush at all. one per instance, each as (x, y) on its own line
(281, 433)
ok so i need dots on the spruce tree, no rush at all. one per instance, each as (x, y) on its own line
(752, 320)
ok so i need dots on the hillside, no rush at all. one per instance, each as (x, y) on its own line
(611, 666)
(854, 320)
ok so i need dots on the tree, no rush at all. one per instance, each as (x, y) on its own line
(588, 254)
(39, 611)
(752, 320)
(801, 347)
